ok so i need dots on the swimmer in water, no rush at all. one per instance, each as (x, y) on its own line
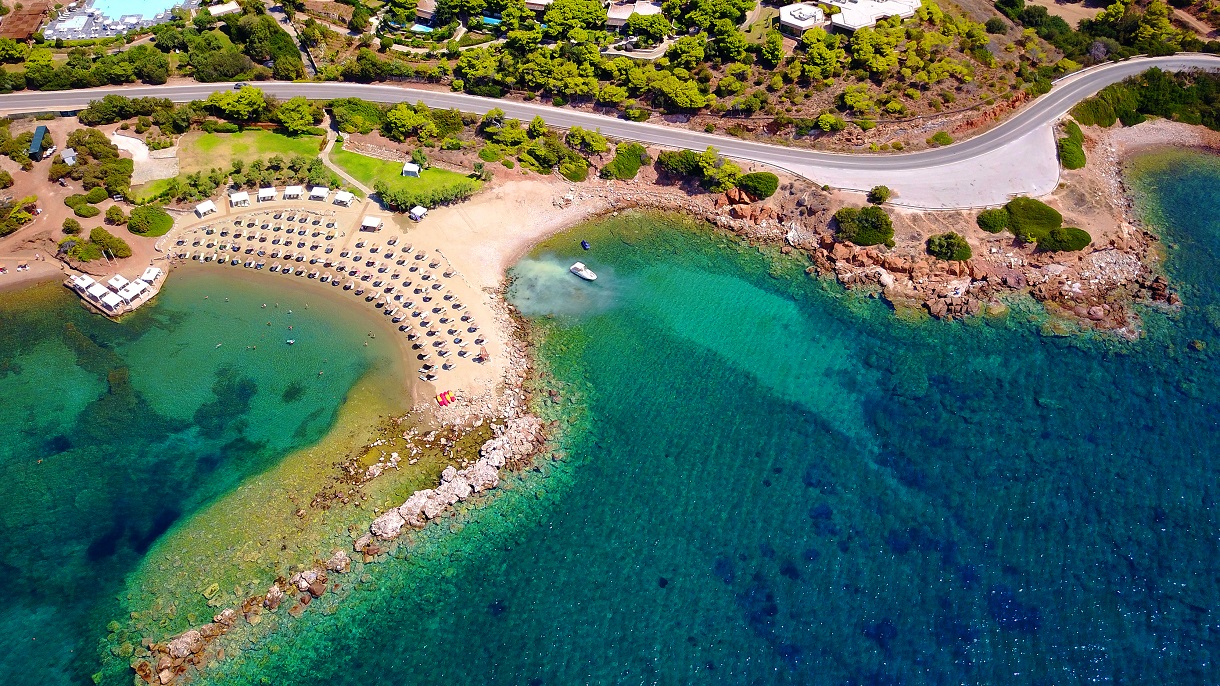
(264, 306)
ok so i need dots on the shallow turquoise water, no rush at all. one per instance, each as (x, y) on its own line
(775, 482)
(112, 433)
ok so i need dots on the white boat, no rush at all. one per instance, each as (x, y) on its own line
(290, 341)
(583, 272)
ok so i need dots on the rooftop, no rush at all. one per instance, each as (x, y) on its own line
(857, 14)
(802, 16)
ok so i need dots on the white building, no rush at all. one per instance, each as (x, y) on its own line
(227, 8)
(344, 198)
(265, 194)
(854, 15)
(619, 11)
(69, 156)
(410, 169)
(204, 208)
(799, 18)
(292, 192)
(239, 199)
(319, 193)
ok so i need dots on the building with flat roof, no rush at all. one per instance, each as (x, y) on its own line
(227, 8)
(854, 15)
(797, 19)
(620, 10)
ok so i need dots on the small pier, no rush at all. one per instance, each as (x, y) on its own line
(118, 295)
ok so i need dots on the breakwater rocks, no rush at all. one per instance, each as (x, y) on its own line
(514, 441)
(518, 438)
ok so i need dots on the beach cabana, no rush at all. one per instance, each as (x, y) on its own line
(204, 208)
(410, 169)
(69, 156)
(96, 291)
(239, 199)
(292, 192)
(265, 194)
(83, 281)
(418, 213)
(151, 275)
(344, 198)
(370, 224)
(117, 281)
(318, 193)
(111, 301)
(132, 290)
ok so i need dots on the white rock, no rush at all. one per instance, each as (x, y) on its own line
(455, 490)
(413, 508)
(387, 525)
(448, 474)
(481, 476)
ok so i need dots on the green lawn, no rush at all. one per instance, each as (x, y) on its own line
(198, 151)
(756, 33)
(368, 170)
(146, 192)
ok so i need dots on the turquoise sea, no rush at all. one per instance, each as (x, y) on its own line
(765, 480)
(769, 481)
(111, 434)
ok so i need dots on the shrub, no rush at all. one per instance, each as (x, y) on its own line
(149, 220)
(75, 200)
(1071, 154)
(996, 25)
(400, 197)
(109, 242)
(575, 169)
(628, 158)
(115, 216)
(1064, 238)
(86, 211)
(1030, 219)
(940, 138)
(451, 143)
(948, 246)
(71, 226)
(759, 185)
(6, 179)
(680, 162)
(865, 226)
(491, 153)
(879, 195)
(993, 220)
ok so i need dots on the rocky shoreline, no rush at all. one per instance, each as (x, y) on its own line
(1096, 287)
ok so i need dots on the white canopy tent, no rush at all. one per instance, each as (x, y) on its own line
(151, 274)
(111, 301)
(205, 207)
(96, 290)
(292, 192)
(239, 199)
(265, 194)
(344, 198)
(132, 290)
(319, 193)
(370, 224)
(117, 281)
(417, 213)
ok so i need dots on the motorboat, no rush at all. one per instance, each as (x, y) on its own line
(583, 272)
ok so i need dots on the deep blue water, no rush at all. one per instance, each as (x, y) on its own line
(769, 481)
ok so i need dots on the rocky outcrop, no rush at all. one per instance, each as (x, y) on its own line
(516, 441)
(273, 597)
(186, 645)
(388, 525)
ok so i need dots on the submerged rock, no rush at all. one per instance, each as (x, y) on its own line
(274, 597)
(339, 562)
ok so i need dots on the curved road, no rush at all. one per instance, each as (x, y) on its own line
(986, 160)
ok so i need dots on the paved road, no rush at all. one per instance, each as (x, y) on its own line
(1009, 138)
